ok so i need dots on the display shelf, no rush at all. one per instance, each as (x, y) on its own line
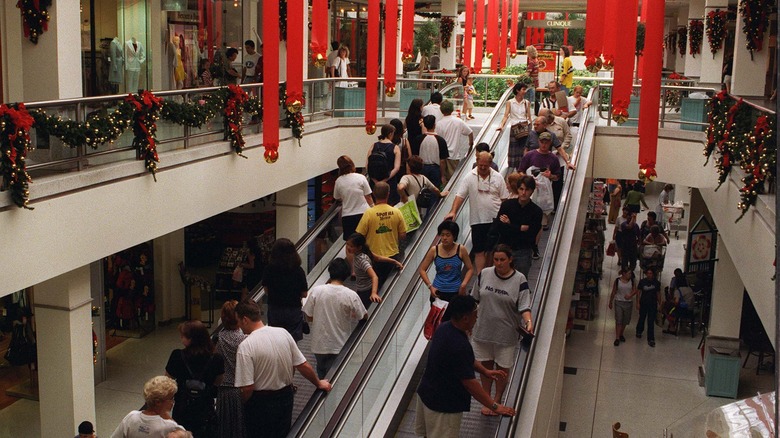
(591, 256)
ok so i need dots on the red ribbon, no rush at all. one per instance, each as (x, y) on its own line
(514, 18)
(594, 29)
(651, 85)
(407, 29)
(295, 43)
(271, 74)
(492, 34)
(469, 31)
(480, 32)
(319, 29)
(503, 34)
(391, 40)
(372, 62)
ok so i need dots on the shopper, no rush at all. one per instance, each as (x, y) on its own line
(449, 258)
(333, 309)
(664, 198)
(519, 222)
(504, 308)
(155, 419)
(649, 300)
(634, 197)
(285, 282)
(518, 114)
(383, 161)
(384, 227)
(458, 136)
(354, 192)
(412, 184)
(566, 77)
(433, 150)
(230, 408)
(449, 381)
(366, 282)
(629, 242)
(469, 92)
(532, 70)
(403, 144)
(198, 371)
(413, 119)
(615, 196)
(623, 291)
(434, 106)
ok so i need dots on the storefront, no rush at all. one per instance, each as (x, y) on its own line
(350, 29)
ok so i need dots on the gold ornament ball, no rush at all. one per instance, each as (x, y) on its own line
(406, 58)
(294, 106)
(371, 129)
(390, 91)
(489, 55)
(271, 155)
(513, 55)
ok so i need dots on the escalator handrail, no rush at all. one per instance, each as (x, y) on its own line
(258, 291)
(348, 401)
(515, 390)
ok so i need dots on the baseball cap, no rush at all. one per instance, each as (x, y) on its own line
(545, 136)
(86, 428)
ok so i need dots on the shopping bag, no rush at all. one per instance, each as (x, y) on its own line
(438, 307)
(411, 214)
(238, 274)
(543, 195)
(611, 248)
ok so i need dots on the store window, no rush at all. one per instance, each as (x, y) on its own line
(116, 57)
(350, 29)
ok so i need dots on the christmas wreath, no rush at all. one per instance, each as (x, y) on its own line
(755, 20)
(695, 34)
(35, 18)
(446, 27)
(716, 29)
(682, 39)
(15, 124)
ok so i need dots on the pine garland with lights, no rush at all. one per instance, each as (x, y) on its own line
(35, 18)
(696, 35)
(146, 112)
(757, 161)
(682, 40)
(101, 127)
(716, 119)
(673, 97)
(716, 29)
(234, 113)
(755, 21)
(293, 118)
(446, 26)
(15, 124)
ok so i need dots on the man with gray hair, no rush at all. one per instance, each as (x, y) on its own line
(453, 130)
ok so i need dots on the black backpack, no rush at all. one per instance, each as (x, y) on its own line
(377, 164)
(425, 197)
(195, 388)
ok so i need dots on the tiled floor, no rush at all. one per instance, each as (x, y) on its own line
(646, 389)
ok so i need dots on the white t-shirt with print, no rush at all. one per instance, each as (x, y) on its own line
(335, 310)
(265, 359)
(250, 63)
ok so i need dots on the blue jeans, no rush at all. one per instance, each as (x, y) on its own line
(647, 312)
(521, 258)
(433, 173)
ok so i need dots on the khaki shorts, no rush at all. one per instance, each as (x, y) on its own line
(502, 355)
(432, 424)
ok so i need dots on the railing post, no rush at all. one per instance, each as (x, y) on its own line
(186, 127)
(663, 105)
(81, 151)
(384, 100)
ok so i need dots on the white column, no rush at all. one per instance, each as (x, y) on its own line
(749, 75)
(727, 292)
(52, 68)
(682, 20)
(670, 25)
(11, 34)
(712, 67)
(64, 331)
(291, 214)
(449, 8)
(693, 63)
(168, 287)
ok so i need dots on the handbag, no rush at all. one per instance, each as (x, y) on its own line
(612, 249)
(519, 130)
(425, 197)
(433, 320)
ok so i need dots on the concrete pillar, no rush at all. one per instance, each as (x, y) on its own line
(449, 8)
(291, 212)
(168, 287)
(727, 288)
(712, 67)
(12, 39)
(749, 75)
(52, 68)
(682, 21)
(693, 63)
(64, 331)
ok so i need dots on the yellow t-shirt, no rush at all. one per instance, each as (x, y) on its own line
(382, 224)
(567, 73)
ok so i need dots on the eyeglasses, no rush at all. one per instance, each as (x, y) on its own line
(483, 186)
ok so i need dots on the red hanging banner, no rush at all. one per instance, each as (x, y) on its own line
(469, 34)
(295, 57)
(643, 20)
(514, 17)
(319, 33)
(611, 32)
(270, 80)
(624, 60)
(479, 51)
(407, 31)
(372, 65)
(651, 87)
(391, 43)
(594, 34)
(492, 34)
(503, 34)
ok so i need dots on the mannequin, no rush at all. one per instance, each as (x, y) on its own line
(116, 61)
(135, 55)
(170, 54)
(178, 72)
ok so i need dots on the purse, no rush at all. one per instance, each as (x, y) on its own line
(519, 130)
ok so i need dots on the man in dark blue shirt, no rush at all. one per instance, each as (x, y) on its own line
(449, 382)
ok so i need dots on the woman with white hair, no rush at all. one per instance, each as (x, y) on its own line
(155, 420)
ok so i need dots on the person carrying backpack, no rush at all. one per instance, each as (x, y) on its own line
(621, 299)
(383, 162)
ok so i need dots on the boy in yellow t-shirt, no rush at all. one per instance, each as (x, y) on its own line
(384, 226)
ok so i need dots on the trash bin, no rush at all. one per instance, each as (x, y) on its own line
(722, 372)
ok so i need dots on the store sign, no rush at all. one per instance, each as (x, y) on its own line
(547, 61)
(185, 17)
(174, 5)
(555, 24)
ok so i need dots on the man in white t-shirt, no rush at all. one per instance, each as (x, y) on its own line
(334, 53)
(454, 131)
(265, 363)
(434, 107)
(334, 310)
(485, 189)
(251, 58)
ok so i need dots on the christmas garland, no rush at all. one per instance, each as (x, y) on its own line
(671, 42)
(446, 27)
(293, 117)
(755, 20)
(716, 29)
(682, 38)
(146, 111)
(234, 113)
(696, 35)
(428, 14)
(640, 39)
(283, 20)
(35, 18)
(673, 96)
(15, 124)
(734, 137)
